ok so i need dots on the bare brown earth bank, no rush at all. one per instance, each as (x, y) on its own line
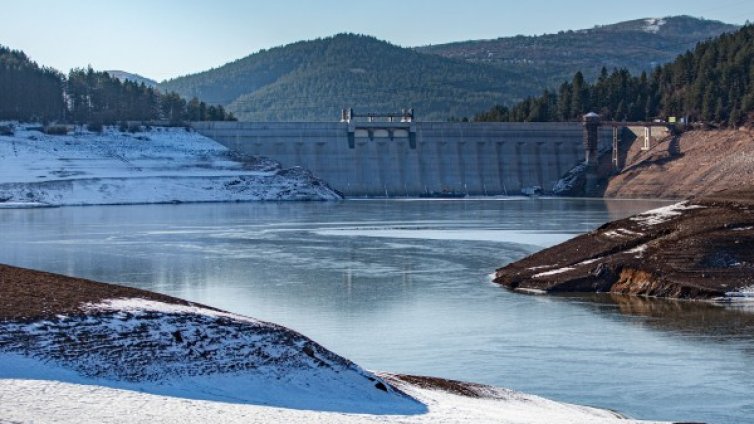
(702, 248)
(691, 164)
(27, 294)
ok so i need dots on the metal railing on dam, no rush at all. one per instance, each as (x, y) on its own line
(414, 158)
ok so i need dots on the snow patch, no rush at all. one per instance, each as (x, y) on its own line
(528, 290)
(741, 298)
(23, 205)
(622, 232)
(653, 25)
(744, 228)
(743, 292)
(638, 251)
(135, 304)
(553, 272)
(664, 214)
(534, 268)
(588, 261)
(567, 184)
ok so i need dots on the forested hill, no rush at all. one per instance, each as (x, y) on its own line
(714, 83)
(637, 45)
(314, 80)
(31, 93)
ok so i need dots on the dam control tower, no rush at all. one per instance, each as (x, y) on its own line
(592, 123)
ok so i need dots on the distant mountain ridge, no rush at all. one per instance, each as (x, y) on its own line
(127, 76)
(637, 45)
(313, 80)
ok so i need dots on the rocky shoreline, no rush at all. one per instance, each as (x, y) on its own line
(702, 248)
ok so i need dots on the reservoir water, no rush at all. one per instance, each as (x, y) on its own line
(404, 286)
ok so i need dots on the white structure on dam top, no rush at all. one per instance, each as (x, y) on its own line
(408, 158)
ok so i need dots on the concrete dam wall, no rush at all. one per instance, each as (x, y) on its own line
(396, 159)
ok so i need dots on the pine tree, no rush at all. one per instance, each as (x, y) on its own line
(713, 83)
(579, 102)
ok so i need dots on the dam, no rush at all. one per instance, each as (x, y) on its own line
(407, 158)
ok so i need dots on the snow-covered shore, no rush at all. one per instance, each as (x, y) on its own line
(32, 401)
(78, 351)
(160, 165)
(193, 352)
(158, 362)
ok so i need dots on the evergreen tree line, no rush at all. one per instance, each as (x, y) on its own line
(714, 83)
(29, 92)
(97, 97)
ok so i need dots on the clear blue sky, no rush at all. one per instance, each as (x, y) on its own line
(167, 38)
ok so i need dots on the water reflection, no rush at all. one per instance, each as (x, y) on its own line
(711, 322)
(404, 286)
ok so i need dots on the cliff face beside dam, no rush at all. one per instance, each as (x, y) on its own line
(691, 164)
(396, 159)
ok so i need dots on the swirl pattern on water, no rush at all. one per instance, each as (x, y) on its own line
(404, 286)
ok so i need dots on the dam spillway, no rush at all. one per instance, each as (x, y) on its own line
(398, 159)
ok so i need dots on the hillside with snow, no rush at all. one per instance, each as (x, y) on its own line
(194, 353)
(553, 58)
(158, 165)
(78, 351)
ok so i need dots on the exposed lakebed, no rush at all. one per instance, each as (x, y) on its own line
(404, 286)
